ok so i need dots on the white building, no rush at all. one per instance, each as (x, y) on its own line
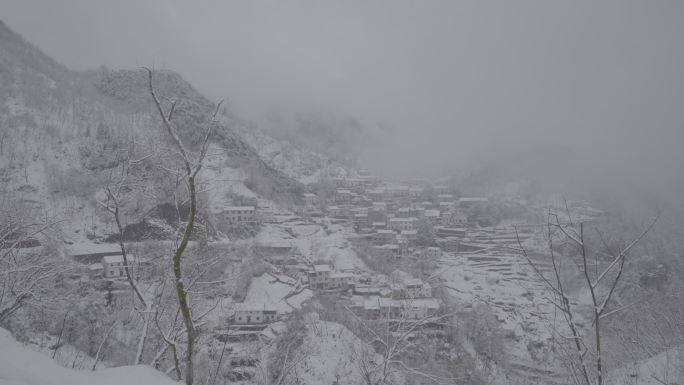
(323, 278)
(319, 277)
(238, 214)
(113, 265)
(310, 200)
(399, 224)
(340, 280)
(420, 308)
(411, 288)
(433, 252)
(246, 314)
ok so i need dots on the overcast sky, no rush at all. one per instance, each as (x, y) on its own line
(457, 79)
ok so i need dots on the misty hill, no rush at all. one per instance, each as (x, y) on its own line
(561, 172)
(62, 134)
(341, 137)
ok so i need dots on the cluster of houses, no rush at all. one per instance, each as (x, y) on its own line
(404, 297)
(391, 215)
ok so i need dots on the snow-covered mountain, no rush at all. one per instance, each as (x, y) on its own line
(63, 133)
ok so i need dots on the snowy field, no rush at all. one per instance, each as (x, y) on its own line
(506, 283)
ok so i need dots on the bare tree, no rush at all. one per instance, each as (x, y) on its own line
(191, 167)
(391, 336)
(601, 271)
(26, 272)
(113, 204)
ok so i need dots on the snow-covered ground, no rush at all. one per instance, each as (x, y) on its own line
(331, 354)
(664, 368)
(267, 291)
(20, 365)
(506, 282)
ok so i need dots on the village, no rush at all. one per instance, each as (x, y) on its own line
(380, 251)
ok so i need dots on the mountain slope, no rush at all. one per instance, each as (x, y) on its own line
(63, 135)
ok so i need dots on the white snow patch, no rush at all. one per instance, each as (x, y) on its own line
(20, 365)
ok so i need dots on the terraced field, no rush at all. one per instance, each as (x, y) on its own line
(504, 280)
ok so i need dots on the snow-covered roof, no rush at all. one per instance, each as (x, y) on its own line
(254, 307)
(413, 282)
(93, 248)
(113, 259)
(321, 268)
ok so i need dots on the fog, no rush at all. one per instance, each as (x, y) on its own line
(460, 83)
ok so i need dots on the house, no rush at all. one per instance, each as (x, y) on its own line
(380, 206)
(319, 277)
(459, 218)
(446, 198)
(343, 196)
(323, 278)
(433, 252)
(113, 265)
(246, 314)
(403, 212)
(383, 237)
(415, 192)
(411, 288)
(340, 280)
(238, 214)
(411, 309)
(398, 191)
(273, 247)
(338, 212)
(361, 220)
(399, 224)
(432, 215)
(440, 189)
(376, 195)
(356, 184)
(420, 308)
(409, 235)
(447, 206)
(310, 201)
